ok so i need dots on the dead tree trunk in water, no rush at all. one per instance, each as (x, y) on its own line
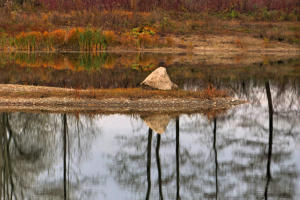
(159, 167)
(149, 163)
(270, 104)
(65, 127)
(216, 157)
(177, 160)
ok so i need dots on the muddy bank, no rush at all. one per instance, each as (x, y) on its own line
(31, 98)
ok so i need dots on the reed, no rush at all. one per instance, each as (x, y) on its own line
(82, 39)
(3, 41)
(78, 39)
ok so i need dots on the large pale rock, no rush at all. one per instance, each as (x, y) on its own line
(157, 122)
(159, 79)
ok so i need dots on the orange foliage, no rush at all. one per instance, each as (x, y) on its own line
(64, 64)
(74, 34)
(58, 36)
(128, 40)
(147, 40)
(45, 35)
(110, 36)
(80, 38)
(20, 36)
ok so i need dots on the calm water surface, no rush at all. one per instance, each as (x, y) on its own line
(248, 152)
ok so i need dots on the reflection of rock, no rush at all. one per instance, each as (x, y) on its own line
(159, 79)
(157, 122)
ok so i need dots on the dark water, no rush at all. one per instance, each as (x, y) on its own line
(128, 70)
(249, 152)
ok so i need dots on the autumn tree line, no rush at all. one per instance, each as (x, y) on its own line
(149, 5)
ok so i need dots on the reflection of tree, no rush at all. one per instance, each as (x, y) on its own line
(23, 155)
(131, 165)
(252, 164)
(177, 160)
(149, 163)
(29, 150)
(216, 156)
(159, 167)
(68, 180)
(65, 128)
(232, 162)
(128, 165)
(7, 182)
(270, 105)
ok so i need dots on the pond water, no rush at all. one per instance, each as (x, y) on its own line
(248, 152)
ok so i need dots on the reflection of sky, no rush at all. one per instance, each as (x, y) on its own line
(242, 147)
(111, 126)
(296, 157)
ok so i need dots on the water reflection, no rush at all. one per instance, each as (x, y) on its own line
(216, 157)
(159, 167)
(251, 152)
(149, 163)
(112, 70)
(31, 145)
(157, 122)
(270, 105)
(177, 161)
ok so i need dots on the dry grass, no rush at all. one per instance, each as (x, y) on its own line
(20, 91)
(57, 31)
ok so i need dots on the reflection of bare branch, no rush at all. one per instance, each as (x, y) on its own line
(31, 142)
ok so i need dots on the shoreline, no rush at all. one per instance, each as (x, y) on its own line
(20, 100)
(119, 105)
(193, 44)
(163, 50)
